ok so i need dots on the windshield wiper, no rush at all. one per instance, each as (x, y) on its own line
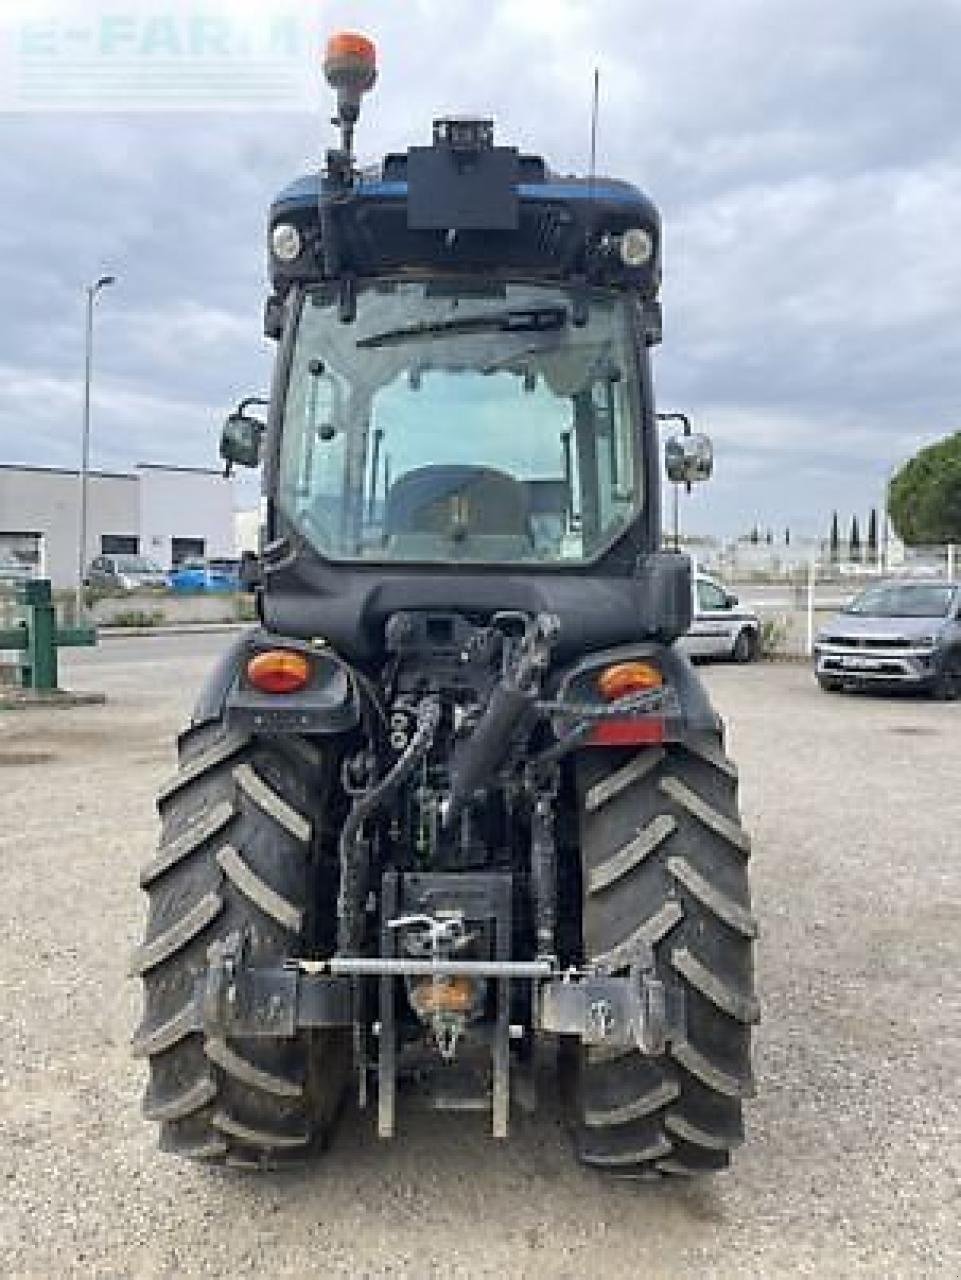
(518, 320)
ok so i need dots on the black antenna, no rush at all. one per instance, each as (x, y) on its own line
(597, 94)
(579, 310)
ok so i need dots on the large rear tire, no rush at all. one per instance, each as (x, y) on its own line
(664, 861)
(240, 852)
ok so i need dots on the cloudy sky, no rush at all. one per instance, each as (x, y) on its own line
(806, 155)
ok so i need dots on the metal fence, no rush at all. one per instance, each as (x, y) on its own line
(795, 592)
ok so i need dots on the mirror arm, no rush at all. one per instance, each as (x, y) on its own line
(682, 418)
(245, 404)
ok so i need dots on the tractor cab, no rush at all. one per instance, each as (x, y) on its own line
(463, 382)
(466, 380)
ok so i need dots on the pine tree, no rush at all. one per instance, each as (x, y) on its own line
(787, 537)
(835, 539)
(924, 497)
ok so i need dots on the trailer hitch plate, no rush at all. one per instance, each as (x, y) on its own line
(601, 1009)
(237, 999)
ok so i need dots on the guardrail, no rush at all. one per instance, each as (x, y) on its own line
(30, 632)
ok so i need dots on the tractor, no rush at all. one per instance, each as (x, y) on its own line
(454, 824)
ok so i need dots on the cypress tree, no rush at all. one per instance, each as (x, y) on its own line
(873, 534)
(855, 540)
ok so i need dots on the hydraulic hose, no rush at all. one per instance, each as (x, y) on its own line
(514, 699)
(353, 870)
(476, 759)
(585, 715)
(632, 704)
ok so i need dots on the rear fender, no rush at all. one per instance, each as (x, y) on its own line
(691, 713)
(329, 704)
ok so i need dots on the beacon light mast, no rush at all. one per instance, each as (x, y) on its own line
(350, 65)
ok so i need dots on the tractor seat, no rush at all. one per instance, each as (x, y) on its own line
(455, 504)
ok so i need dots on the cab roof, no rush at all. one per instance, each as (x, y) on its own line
(503, 214)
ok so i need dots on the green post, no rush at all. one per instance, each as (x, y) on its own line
(41, 656)
(37, 637)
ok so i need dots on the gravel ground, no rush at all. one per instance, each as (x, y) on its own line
(852, 1161)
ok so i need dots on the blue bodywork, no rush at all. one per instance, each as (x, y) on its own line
(208, 575)
(558, 227)
(304, 192)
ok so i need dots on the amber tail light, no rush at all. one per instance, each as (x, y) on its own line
(625, 678)
(278, 671)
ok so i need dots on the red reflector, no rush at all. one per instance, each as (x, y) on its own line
(278, 671)
(627, 732)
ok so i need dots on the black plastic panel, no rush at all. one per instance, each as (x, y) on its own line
(450, 190)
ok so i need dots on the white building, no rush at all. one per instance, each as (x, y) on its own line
(165, 513)
(247, 530)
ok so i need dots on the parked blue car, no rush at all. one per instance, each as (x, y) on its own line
(206, 575)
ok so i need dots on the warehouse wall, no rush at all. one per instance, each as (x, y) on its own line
(181, 502)
(38, 501)
(155, 506)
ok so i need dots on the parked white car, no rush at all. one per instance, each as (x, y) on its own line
(721, 627)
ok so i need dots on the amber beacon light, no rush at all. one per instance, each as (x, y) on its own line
(350, 62)
(278, 671)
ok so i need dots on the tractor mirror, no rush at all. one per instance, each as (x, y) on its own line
(689, 458)
(240, 441)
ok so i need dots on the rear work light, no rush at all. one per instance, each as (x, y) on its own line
(286, 242)
(278, 671)
(624, 678)
(637, 247)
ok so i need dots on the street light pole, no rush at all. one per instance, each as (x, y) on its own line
(91, 291)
